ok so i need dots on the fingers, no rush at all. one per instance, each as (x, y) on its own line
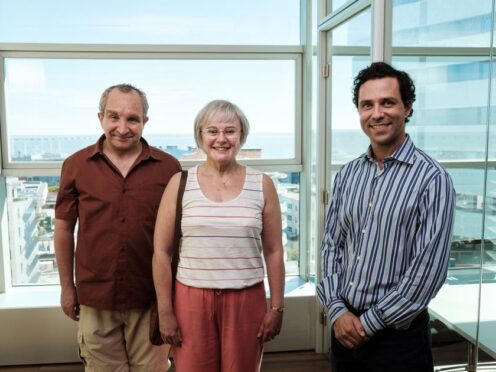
(72, 312)
(173, 340)
(270, 327)
(349, 331)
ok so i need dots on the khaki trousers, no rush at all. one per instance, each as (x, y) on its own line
(117, 341)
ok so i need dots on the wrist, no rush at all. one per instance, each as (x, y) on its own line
(278, 309)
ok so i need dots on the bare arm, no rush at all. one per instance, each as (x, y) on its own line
(273, 254)
(163, 240)
(64, 253)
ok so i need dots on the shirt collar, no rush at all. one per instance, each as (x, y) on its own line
(404, 153)
(146, 151)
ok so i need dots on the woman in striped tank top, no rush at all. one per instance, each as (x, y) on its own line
(219, 319)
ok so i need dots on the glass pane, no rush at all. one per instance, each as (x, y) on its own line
(355, 32)
(265, 22)
(487, 323)
(288, 189)
(51, 105)
(454, 310)
(31, 214)
(435, 23)
(450, 113)
(336, 4)
(348, 140)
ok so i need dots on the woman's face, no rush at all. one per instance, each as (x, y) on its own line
(221, 139)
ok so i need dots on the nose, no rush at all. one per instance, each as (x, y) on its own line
(122, 127)
(377, 112)
(221, 135)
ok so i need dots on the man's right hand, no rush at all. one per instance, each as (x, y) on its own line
(349, 331)
(69, 303)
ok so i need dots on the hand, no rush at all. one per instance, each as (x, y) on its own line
(169, 329)
(270, 327)
(69, 303)
(349, 331)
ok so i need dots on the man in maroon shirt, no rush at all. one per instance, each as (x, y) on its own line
(112, 189)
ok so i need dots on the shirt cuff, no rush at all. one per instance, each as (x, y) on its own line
(335, 310)
(372, 322)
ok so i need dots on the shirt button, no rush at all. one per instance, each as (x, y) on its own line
(364, 231)
(351, 284)
(370, 205)
(123, 219)
(121, 279)
(123, 249)
(358, 257)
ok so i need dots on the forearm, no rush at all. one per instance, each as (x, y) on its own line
(276, 274)
(64, 253)
(162, 278)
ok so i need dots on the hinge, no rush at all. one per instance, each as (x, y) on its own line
(325, 197)
(323, 318)
(325, 70)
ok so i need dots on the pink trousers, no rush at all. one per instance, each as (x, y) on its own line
(219, 329)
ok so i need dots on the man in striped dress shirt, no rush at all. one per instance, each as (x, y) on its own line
(387, 237)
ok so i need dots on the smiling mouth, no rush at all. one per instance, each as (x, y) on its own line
(381, 125)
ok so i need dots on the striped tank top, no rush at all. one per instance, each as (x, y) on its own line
(221, 244)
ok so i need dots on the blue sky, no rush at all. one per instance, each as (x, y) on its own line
(60, 96)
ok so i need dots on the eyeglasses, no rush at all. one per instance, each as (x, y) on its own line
(228, 132)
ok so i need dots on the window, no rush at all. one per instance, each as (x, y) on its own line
(67, 92)
(52, 85)
(257, 22)
(448, 53)
(31, 215)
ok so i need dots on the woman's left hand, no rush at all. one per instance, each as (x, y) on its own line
(270, 327)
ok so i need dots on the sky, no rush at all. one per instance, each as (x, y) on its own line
(60, 96)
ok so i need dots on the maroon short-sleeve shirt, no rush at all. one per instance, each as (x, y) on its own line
(116, 219)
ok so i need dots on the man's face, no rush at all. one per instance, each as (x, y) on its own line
(382, 114)
(123, 121)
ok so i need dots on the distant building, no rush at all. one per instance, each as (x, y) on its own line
(30, 232)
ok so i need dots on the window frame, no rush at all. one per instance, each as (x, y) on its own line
(163, 52)
(119, 52)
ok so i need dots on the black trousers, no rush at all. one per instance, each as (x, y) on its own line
(389, 350)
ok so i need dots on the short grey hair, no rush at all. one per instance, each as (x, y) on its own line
(228, 112)
(124, 88)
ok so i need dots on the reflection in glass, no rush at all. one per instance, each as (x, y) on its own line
(355, 32)
(451, 99)
(348, 140)
(432, 23)
(62, 96)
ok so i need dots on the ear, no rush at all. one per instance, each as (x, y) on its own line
(408, 111)
(145, 120)
(100, 118)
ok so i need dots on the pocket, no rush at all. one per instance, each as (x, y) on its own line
(82, 352)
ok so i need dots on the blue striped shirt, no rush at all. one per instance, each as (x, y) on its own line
(387, 238)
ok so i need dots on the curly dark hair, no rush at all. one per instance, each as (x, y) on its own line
(378, 70)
